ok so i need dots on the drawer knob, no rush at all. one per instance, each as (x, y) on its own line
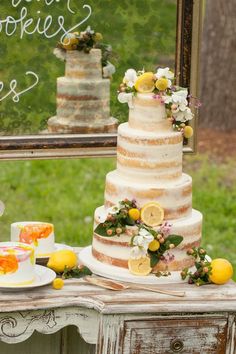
(176, 346)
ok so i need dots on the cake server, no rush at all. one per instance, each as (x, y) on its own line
(117, 286)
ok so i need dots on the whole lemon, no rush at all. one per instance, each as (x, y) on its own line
(61, 259)
(162, 84)
(188, 131)
(134, 213)
(154, 245)
(57, 283)
(221, 272)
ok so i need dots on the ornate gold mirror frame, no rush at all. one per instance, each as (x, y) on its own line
(189, 16)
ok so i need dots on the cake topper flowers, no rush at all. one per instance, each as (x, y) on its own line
(161, 85)
(84, 42)
(150, 237)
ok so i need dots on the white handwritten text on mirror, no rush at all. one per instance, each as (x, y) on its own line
(26, 25)
(13, 88)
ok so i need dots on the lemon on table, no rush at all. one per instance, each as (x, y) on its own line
(222, 271)
(57, 283)
(61, 259)
(145, 83)
(139, 266)
(152, 214)
(154, 245)
(134, 213)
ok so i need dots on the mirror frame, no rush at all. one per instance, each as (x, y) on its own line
(188, 34)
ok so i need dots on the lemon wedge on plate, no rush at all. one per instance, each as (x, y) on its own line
(145, 83)
(152, 214)
(140, 266)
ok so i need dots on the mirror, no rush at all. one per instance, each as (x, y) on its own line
(146, 33)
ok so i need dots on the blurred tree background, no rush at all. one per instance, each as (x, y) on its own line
(141, 32)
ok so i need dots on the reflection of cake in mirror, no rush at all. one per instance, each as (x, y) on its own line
(37, 234)
(83, 95)
(17, 262)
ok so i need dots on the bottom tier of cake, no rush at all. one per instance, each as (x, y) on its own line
(116, 250)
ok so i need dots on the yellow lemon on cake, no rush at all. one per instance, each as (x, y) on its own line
(145, 83)
(70, 41)
(152, 214)
(140, 266)
(222, 271)
(134, 213)
(61, 259)
(154, 245)
(162, 84)
(188, 131)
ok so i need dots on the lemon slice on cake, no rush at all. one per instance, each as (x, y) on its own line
(145, 83)
(152, 214)
(140, 266)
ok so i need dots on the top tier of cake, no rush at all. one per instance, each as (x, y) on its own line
(148, 114)
(80, 65)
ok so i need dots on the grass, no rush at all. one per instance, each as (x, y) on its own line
(67, 193)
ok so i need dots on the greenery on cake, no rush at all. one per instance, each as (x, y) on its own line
(150, 238)
(176, 99)
(218, 271)
(84, 41)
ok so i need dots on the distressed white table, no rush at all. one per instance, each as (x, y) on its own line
(131, 321)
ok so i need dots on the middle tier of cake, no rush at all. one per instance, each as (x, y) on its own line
(175, 197)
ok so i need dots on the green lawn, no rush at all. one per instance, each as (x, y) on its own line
(66, 192)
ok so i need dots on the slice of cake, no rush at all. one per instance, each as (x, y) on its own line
(149, 181)
(17, 262)
(37, 234)
(83, 95)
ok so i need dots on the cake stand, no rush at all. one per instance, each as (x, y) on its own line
(116, 273)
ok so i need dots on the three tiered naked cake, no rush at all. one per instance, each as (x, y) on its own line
(147, 223)
(83, 95)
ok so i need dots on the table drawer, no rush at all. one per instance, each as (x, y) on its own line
(183, 335)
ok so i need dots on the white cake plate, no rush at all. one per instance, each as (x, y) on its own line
(43, 277)
(112, 272)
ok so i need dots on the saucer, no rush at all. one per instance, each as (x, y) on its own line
(43, 277)
(43, 259)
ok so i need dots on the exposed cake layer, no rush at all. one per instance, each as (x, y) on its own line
(16, 264)
(149, 156)
(174, 196)
(84, 100)
(37, 234)
(148, 114)
(116, 250)
(80, 65)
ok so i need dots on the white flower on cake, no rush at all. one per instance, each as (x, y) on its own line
(60, 54)
(130, 77)
(143, 238)
(137, 252)
(183, 115)
(124, 97)
(108, 70)
(166, 72)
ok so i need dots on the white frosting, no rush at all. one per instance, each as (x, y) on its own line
(45, 245)
(170, 195)
(148, 113)
(25, 272)
(149, 156)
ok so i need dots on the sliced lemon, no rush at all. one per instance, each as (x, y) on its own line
(139, 266)
(145, 83)
(152, 214)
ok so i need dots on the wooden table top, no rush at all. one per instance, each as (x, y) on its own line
(76, 292)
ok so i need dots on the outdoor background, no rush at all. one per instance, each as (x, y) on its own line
(66, 192)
